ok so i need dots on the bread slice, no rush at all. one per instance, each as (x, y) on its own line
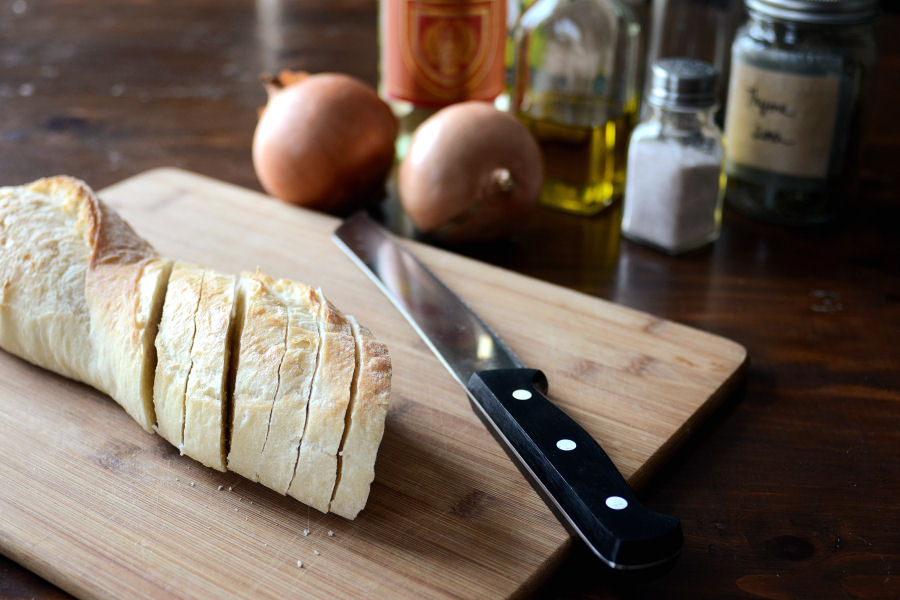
(263, 325)
(288, 417)
(316, 471)
(206, 402)
(174, 341)
(80, 292)
(126, 302)
(369, 398)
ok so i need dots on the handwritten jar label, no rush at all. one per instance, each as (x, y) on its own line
(781, 122)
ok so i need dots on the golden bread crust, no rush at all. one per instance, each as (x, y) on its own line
(260, 351)
(365, 423)
(206, 398)
(287, 420)
(316, 470)
(92, 312)
(173, 351)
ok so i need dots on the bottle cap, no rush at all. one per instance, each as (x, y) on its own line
(683, 83)
(825, 12)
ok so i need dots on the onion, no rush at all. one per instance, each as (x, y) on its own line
(472, 173)
(324, 141)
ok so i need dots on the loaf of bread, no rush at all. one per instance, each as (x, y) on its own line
(260, 376)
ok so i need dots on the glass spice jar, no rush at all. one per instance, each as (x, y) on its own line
(673, 191)
(800, 69)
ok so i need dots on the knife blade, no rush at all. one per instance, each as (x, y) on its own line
(561, 460)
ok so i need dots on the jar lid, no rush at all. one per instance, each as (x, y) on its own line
(826, 12)
(683, 83)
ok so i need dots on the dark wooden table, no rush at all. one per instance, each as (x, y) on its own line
(791, 491)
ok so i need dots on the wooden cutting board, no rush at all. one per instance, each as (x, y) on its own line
(104, 510)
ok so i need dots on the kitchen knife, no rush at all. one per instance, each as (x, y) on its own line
(561, 460)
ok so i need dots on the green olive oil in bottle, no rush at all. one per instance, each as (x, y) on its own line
(575, 90)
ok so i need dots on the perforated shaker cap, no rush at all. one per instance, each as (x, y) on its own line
(683, 83)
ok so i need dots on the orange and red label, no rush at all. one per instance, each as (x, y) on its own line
(441, 51)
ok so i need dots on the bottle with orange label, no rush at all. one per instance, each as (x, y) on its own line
(438, 52)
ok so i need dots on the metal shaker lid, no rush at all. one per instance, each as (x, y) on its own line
(683, 83)
(826, 12)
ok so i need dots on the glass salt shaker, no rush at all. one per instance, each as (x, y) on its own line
(675, 183)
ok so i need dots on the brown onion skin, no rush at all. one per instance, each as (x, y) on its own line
(324, 141)
(472, 174)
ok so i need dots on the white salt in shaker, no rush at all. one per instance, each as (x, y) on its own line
(674, 184)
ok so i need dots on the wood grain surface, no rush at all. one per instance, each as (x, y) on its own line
(106, 511)
(790, 491)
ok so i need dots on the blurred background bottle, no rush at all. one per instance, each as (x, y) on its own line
(696, 29)
(575, 88)
(514, 11)
(437, 52)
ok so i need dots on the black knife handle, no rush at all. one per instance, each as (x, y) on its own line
(571, 472)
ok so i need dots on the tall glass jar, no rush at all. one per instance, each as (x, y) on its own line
(575, 89)
(673, 193)
(799, 71)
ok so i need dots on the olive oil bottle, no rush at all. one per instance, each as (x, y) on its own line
(584, 165)
(575, 89)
